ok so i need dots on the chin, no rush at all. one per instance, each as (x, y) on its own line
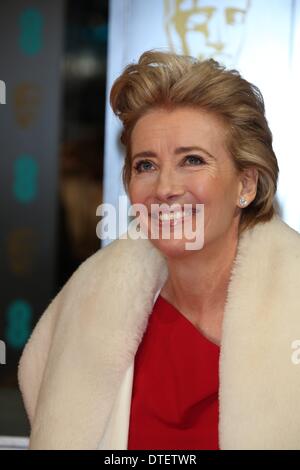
(174, 248)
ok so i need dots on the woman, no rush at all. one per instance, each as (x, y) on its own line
(153, 345)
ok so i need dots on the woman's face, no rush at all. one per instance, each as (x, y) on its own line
(163, 172)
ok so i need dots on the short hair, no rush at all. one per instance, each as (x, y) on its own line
(167, 80)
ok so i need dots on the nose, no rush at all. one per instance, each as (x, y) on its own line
(168, 186)
(217, 46)
(217, 31)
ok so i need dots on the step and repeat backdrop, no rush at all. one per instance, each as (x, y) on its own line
(30, 55)
(261, 38)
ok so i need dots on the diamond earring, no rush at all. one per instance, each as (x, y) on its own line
(243, 201)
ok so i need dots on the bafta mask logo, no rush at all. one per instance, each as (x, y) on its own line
(22, 250)
(207, 28)
(26, 100)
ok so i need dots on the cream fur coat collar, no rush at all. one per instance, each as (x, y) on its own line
(76, 371)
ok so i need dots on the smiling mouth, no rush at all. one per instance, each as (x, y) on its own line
(173, 218)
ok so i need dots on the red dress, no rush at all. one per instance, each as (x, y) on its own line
(174, 403)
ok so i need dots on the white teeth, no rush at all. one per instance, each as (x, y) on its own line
(174, 216)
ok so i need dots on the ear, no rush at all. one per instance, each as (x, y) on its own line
(247, 186)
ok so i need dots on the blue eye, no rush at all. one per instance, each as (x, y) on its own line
(143, 165)
(196, 159)
(137, 167)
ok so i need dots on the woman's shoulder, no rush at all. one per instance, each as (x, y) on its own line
(95, 299)
(274, 236)
(121, 251)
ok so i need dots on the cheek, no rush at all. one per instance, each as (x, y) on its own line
(204, 187)
(224, 194)
(214, 191)
(138, 192)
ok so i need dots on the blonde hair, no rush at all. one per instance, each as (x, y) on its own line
(169, 80)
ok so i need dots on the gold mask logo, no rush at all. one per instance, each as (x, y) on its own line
(206, 28)
(21, 250)
(26, 100)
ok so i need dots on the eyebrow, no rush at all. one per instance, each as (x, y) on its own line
(178, 151)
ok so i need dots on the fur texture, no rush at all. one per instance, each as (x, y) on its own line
(76, 369)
